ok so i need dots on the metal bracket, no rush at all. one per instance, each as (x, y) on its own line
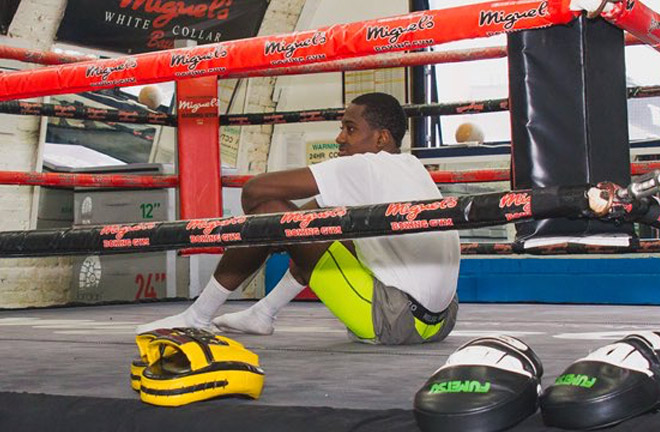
(646, 185)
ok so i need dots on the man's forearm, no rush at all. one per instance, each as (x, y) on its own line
(278, 186)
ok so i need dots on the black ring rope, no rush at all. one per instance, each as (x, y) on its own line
(340, 223)
(144, 116)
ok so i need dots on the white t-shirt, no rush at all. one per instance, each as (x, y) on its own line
(424, 265)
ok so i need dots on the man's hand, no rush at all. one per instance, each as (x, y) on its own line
(606, 200)
(600, 201)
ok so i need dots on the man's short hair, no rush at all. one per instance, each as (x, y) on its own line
(383, 111)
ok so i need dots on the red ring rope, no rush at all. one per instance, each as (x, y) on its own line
(638, 19)
(409, 59)
(399, 33)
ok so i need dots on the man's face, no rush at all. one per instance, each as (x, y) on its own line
(356, 136)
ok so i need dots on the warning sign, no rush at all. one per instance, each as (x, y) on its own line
(321, 151)
(230, 137)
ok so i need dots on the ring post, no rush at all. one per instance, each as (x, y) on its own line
(198, 134)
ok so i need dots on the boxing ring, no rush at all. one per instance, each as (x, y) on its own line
(67, 368)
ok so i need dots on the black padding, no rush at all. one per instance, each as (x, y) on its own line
(568, 109)
(605, 387)
(488, 384)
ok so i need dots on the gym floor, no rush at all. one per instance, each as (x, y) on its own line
(85, 353)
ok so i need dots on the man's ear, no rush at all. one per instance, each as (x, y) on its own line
(384, 138)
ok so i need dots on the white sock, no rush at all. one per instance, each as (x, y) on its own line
(209, 301)
(285, 291)
(259, 318)
(198, 315)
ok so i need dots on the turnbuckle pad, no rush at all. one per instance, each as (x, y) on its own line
(612, 384)
(184, 365)
(488, 384)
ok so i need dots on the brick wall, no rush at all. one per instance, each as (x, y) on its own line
(28, 282)
(34, 282)
(281, 17)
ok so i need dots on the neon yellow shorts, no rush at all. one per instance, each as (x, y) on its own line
(369, 309)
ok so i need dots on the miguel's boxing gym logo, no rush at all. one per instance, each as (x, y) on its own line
(168, 11)
(289, 49)
(193, 107)
(192, 61)
(393, 34)
(97, 113)
(208, 226)
(517, 199)
(32, 57)
(30, 108)
(104, 72)
(119, 231)
(411, 212)
(472, 107)
(64, 110)
(654, 26)
(128, 115)
(509, 20)
(304, 219)
(158, 118)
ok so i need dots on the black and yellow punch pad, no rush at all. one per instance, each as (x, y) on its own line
(189, 365)
(140, 363)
